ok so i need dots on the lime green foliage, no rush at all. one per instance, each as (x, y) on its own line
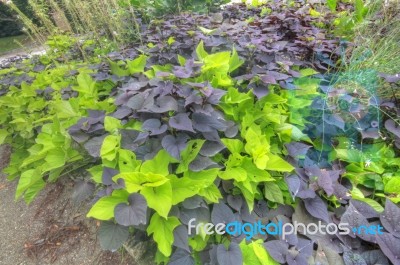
(104, 207)
(35, 122)
(255, 254)
(257, 157)
(253, 163)
(374, 167)
(162, 230)
(347, 20)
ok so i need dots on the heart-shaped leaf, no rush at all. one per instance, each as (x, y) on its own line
(133, 214)
(112, 236)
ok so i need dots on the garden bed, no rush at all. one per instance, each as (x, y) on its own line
(254, 114)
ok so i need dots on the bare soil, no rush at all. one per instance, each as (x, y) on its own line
(52, 230)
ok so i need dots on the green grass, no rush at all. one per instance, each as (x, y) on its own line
(10, 44)
(376, 45)
(377, 41)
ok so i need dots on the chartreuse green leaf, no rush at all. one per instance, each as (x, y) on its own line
(135, 181)
(211, 193)
(249, 191)
(255, 254)
(201, 53)
(118, 70)
(55, 158)
(183, 188)
(137, 65)
(233, 145)
(204, 177)
(34, 190)
(273, 192)
(235, 97)
(258, 175)
(204, 180)
(235, 173)
(393, 185)
(332, 4)
(103, 209)
(257, 145)
(111, 124)
(162, 230)
(97, 173)
(181, 60)
(86, 85)
(28, 179)
(66, 109)
(199, 242)
(307, 86)
(207, 31)
(159, 198)
(159, 164)
(127, 161)
(110, 147)
(3, 135)
(219, 61)
(309, 71)
(189, 154)
(276, 163)
(171, 40)
(234, 62)
(274, 99)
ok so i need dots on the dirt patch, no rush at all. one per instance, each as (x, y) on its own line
(52, 230)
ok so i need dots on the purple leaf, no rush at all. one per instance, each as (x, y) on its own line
(112, 236)
(390, 245)
(210, 149)
(93, 145)
(161, 105)
(351, 258)
(390, 125)
(175, 145)
(356, 220)
(294, 184)
(373, 257)
(133, 214)
(181, 122)
(204, 123)
(278, 250)
(221, 213)
(324, 181)
(154, 127)
(181, 257)
(230, 256)
(136, 102)
(390, 218)
(335, 120)
(296, 149)
(201, 163)
(317, 208)
(235, 202)
(108, 174)
(364, 208)
(181, 238)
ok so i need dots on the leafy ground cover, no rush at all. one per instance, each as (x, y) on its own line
(250, 114)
